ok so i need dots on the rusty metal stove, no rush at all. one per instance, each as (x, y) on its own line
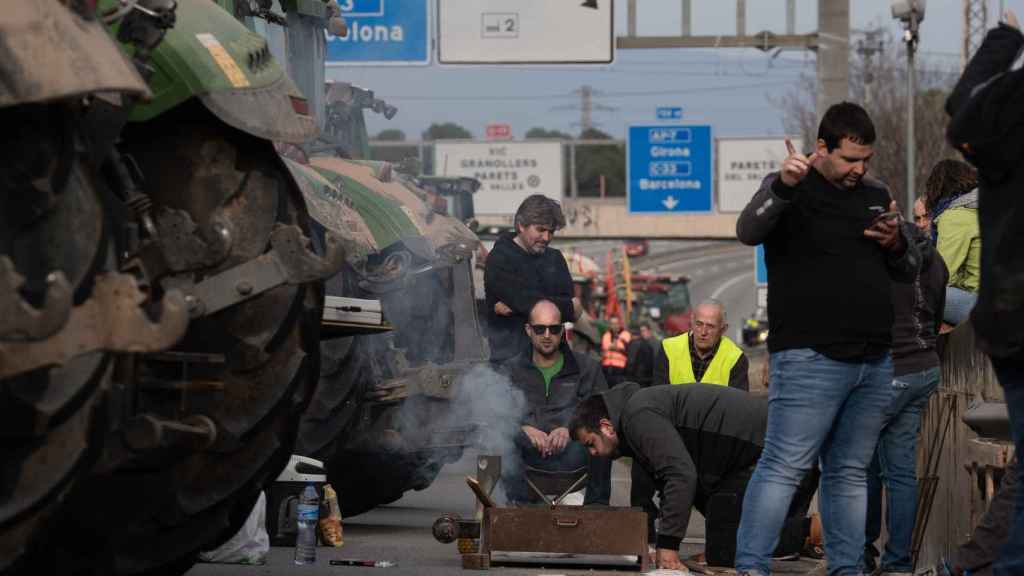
(580, 535)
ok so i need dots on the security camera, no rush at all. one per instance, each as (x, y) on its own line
(904, 9)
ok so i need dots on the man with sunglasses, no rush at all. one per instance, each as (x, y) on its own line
(554, 380)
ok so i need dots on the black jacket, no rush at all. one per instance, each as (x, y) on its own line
(639, 361)
(918, 311)
(687, 438)
(520, 280)
(828, 285)
(579, 379)
(988, 127)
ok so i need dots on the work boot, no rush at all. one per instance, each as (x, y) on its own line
(814, 545)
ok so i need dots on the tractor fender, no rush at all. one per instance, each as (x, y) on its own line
(48, 53)
(210, 55)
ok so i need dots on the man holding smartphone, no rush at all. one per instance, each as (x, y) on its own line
(832, 251)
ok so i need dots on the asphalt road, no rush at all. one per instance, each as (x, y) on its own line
(401, 532)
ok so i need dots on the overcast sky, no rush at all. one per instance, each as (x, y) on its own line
(732, 90)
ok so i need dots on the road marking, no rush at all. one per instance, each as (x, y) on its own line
(723, 287)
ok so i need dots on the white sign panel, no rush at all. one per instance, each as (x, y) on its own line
(742, 165)
(508, 171)
(525, 32)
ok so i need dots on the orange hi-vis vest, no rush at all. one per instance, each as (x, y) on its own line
(613, 354)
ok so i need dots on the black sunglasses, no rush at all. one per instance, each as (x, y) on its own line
(539, 329)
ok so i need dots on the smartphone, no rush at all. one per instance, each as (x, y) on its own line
(884, 216)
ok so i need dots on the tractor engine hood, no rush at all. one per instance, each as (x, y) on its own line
(210, 55)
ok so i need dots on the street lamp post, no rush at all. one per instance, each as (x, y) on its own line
(911, 13)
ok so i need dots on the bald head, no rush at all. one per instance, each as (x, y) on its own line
(708, 325)
(545, 312)
(712, 307)
(545, 329)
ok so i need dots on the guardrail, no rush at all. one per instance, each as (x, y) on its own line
(951, 457)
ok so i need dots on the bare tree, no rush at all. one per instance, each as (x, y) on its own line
(880, 85)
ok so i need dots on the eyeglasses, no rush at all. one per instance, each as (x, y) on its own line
(539, 329)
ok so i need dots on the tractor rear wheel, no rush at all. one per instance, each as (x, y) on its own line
(51, 220)
(250, 368)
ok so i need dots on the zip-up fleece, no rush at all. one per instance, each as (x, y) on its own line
(579, 379)
(918, 311)
(688, 438)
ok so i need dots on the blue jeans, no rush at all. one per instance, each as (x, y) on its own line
(817, 407)
(574, 456)
(895, 464)
(959, 303)
(1011, 377)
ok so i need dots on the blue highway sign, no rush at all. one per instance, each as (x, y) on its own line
(382, 32)
(669, 169)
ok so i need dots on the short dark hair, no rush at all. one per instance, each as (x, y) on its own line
(948, 178)
(540, 210)
(846, 120)
(588, 415)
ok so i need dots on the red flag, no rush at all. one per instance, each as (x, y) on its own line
(612, 306)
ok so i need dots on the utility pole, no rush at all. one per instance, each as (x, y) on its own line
(741, 17)
(586, 108)
(911, 16)
(631, 18)
(867, 47)
(975, 24)
(790, 16)
(686, 17)
(833, 53)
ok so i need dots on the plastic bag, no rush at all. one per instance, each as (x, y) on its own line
(250, 545)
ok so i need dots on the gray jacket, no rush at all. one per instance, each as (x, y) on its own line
(546, 410)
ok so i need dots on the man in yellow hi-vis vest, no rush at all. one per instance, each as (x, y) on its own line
(704, 354)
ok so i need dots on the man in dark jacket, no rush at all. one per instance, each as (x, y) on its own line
(554, 380)
(988, 128)
(916, 371)
(640, 356)
(522, 269)
(700, 443)
(833, 247)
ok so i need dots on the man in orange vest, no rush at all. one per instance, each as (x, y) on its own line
(704, 354)
(613, 351)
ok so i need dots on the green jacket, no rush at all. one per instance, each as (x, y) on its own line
(960, 246)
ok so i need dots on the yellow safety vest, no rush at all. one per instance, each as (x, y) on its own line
(680, 367)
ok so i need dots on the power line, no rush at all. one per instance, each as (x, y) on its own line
(639, 93)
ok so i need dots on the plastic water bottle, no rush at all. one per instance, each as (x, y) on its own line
(307, 513)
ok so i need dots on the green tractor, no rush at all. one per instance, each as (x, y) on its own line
(385, 417)
(66, 310)
(163, 284)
